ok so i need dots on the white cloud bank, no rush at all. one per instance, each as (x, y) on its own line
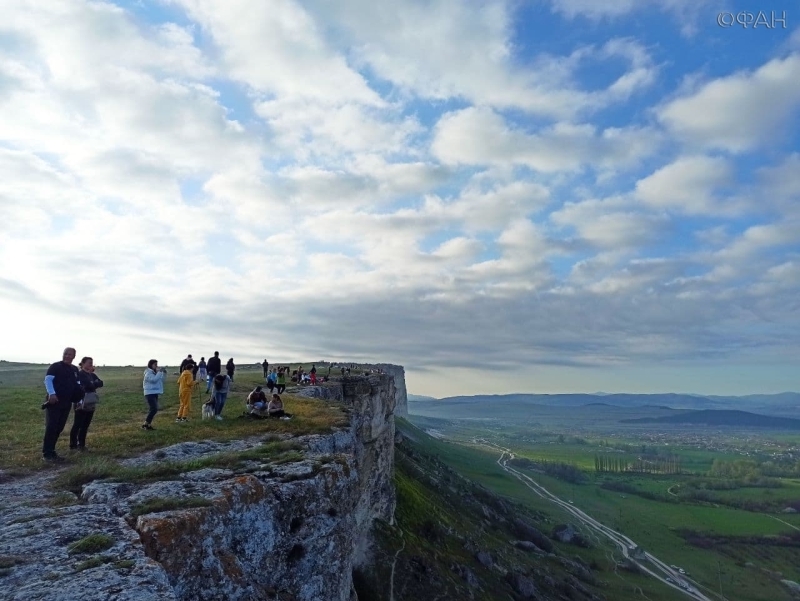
(362, 182)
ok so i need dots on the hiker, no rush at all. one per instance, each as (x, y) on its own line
(230, 368)
(281, 380)
(265, 367)
(63, 389)
(153, 385)
(214, 368)
(272, 379)
(313, 374)
(201, 373)
(222, 385)
(257, 400)
(275, 408)
(186, 384)
(84, 409)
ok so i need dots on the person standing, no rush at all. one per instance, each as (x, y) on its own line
(281, 380)
(202, 372)
(272, 379)
(84, 409)
(313, 373)
(153, 385)
(186, 362)
(63, 389)
(265, 367)
(230, 368)
(222, 385)
(214, 368)
(186, 384)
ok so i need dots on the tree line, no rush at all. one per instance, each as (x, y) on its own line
(657, 464)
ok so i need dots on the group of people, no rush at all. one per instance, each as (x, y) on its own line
(257, 404)
(71, 387)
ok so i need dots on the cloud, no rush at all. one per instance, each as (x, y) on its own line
(685, 12)
(479, 136)
(689, 185)
(740, 112)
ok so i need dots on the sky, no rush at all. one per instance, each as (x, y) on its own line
(502, 196)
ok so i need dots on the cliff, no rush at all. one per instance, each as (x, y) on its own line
(279, 518)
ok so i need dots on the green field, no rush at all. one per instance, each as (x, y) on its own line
(742, 557)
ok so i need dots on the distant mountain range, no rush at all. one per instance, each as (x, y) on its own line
(710, 417)
(781, 404)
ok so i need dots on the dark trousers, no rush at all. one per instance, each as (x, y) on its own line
(281, 388)
(55, 418)
(80, 426)
(152, 402)
(279, 413)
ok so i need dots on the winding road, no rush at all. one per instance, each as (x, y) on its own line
(647, 562)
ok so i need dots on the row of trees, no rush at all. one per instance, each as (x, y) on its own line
(657, 464)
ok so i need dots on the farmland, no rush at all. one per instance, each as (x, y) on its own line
(729, 516)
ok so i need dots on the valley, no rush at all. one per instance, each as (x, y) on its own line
(711, 511)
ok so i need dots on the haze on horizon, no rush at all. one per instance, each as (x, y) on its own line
(553, 196)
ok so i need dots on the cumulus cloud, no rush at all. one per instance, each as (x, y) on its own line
(689, 185)
(479, 136)
(740, 112)
(418, 183)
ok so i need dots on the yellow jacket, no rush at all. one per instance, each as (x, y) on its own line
(185, 381)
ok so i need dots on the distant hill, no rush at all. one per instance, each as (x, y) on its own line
(710, 417)
(416, 398)
(786, 403)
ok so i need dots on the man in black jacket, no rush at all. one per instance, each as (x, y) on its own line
(63, 389)
(214, 367)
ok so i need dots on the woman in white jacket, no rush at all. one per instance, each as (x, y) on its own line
(153, 385)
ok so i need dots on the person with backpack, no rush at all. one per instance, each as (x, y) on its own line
(153, 385)
(63, 389)
(230, 368)
(281, 381)
(84, 409)
(222, 385)
(186, 384)
(214, 368)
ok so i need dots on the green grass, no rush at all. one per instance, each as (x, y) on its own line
(158, 504)
(94, 468)
(93, 562)
(94, 543)
(115, 431)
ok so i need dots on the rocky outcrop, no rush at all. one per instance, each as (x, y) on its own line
(401, 394)
(292, 529)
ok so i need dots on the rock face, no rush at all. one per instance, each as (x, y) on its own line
(293, 530)
(401, 395)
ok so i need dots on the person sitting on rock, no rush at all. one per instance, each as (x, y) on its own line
(257, 400)
(275, 408)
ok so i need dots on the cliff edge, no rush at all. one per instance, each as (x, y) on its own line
(272, 517)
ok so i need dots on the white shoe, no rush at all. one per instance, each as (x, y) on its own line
(218, 417)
